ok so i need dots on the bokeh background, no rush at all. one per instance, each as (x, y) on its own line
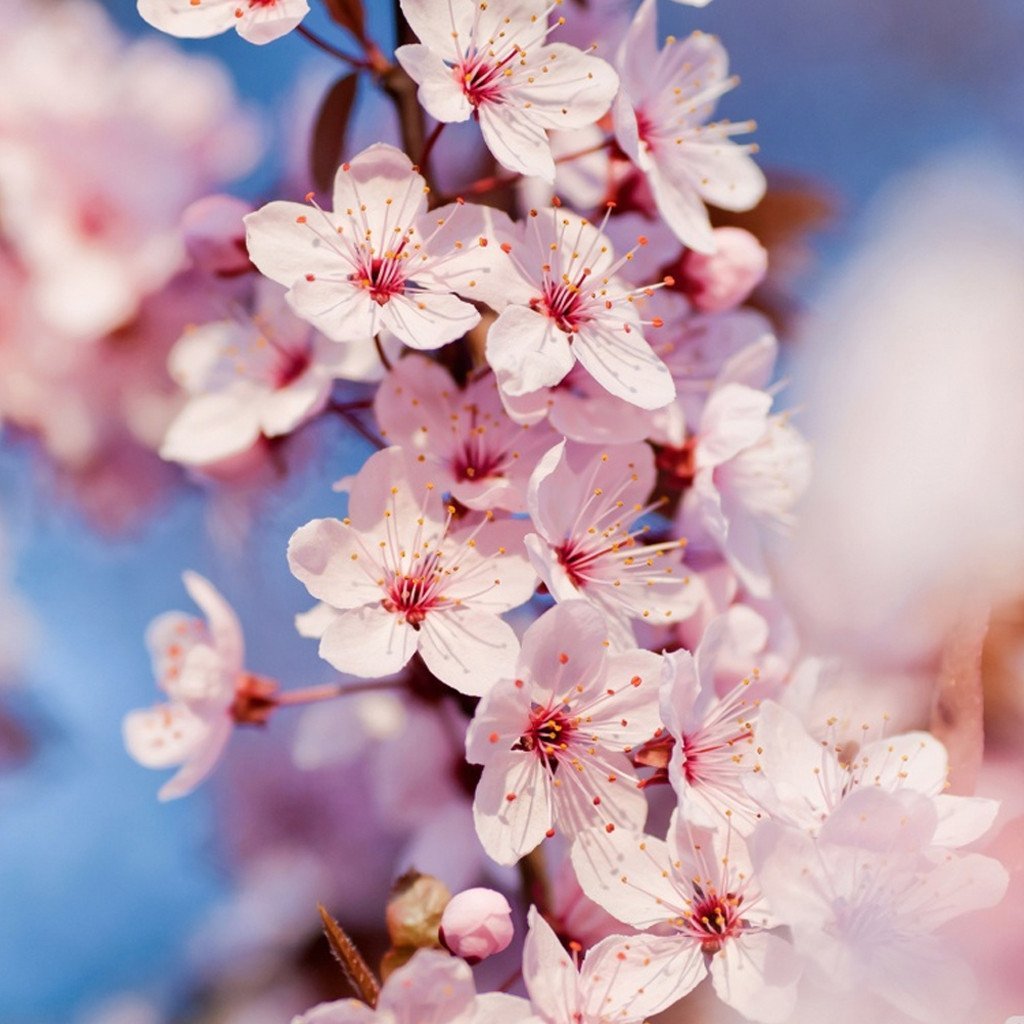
(102, 889)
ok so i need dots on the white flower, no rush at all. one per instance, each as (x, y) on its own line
(200, 668)
(661, 115)
(585, 504)
(480, 455)
(257, 21)
(553, 740)
(432, 987)
(562, 301)
(698, 889)
(490, 60)
(262, 376)
(402, 578)
(380, 260)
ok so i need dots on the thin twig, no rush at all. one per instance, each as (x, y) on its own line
(380, 351)
(322, 44)
(312, 694)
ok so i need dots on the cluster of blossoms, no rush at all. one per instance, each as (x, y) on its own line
(564, 548)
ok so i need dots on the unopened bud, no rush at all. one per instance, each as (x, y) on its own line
(414, 911)
(723, 279)
(477, 924)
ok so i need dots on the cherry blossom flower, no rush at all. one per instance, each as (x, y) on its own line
(750, 469)
(562, 301)
(432, 986)
(703, 354)
(864, 904)
(492, 62)
(105, 143)
(200, 666)
(380, 260)
(714, 738)
(584, 502)
(661, 122)
(263, 375)
(615, 982)
(403, 578)
(554, 739)
(479, 455)
(801, 781)
(722, 280)
(699, 889)
(256, 21)
(581, 410)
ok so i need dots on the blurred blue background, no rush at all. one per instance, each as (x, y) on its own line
(100, 884)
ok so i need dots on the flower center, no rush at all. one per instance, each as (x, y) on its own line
(714, 918)
(549, 731)
(413, 594)
(565, 304)
(482, 80)
(383, 277)
(291, 365)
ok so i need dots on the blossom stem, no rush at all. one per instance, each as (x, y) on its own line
(322, 44)
(428, 146)
(347, 412)
(376, 338)
(511, 980)
(533, 877)
(493, 181)
(315, 694)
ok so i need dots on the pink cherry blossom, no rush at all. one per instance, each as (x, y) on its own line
(864, 903)
(105, 143)
(200, 666)
(713, 746)
(562, 301)
(247, 378)
(584, 503)
(581, 410)
(698, 889)
(801, 781)
(256, 21)
(405, 578)
(380, 260)
(661, 122)
(751, 467)
(476, 924)
(492, 62)
(479, 455)
(554, 739)
(724, 279)
(431, 986)
(615, 982)
(704, 353)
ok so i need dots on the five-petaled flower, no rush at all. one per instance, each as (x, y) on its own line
(200, 666)
(380, 260)
(404, 576)
(491, 61)
(661, 122)
(554, 739)
(257, 21)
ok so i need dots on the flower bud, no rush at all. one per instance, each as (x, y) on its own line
(215, 235)
(723, 279)
(414, 910)
(477, 924)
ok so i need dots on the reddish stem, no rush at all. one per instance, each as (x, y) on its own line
(313, 694)
(322, 44)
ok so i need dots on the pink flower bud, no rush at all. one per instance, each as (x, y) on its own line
(724, 279)
(215, 235)
(477, 924)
